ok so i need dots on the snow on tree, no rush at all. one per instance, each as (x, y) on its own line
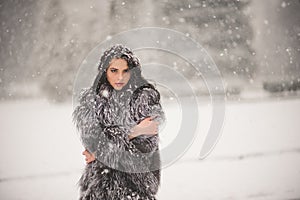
(66, 33)
(125, 15)
(16, 38)
(222, 27)
(278, 44)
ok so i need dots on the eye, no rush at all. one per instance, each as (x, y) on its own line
(113, 70)
(126, 70)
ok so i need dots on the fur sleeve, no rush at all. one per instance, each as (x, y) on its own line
(146, 103)
(86, 121)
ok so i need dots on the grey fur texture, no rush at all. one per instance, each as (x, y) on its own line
(124, 169)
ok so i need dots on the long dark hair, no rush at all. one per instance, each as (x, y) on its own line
(115, 52)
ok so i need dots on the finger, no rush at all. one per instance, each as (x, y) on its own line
(155, 130)
(154, 124)
(152, 131)
(148, 119)
(152, 117)
(85, 152)
(90, 160)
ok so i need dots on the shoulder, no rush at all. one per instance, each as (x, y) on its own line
(86, 95)
(88, 98)
(147, 92)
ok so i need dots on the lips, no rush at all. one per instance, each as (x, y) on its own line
(119, 84)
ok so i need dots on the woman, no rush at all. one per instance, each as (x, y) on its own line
(118, 119)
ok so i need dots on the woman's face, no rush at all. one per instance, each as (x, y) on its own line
(118, 73)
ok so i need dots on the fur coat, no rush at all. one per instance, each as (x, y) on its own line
(123, 169)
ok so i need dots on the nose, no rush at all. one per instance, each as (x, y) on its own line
(120, 76)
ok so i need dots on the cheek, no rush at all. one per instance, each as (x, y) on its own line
(110, 77)
(127, 77)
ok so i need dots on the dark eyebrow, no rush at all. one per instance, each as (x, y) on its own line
(112, 68)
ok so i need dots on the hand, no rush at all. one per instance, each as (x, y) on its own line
(146, 122)
(145, 127)
(89, 157)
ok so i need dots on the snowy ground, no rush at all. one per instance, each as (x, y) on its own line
(257, 157)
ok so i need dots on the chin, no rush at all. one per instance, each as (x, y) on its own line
(118, 88)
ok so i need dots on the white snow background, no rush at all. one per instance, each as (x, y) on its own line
(257, 156)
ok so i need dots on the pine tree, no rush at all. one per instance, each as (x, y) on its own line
(221, 26)
(16, 38)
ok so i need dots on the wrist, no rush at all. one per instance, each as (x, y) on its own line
(131, 136)
(134, 132)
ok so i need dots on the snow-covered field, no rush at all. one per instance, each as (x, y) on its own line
(257, 156)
